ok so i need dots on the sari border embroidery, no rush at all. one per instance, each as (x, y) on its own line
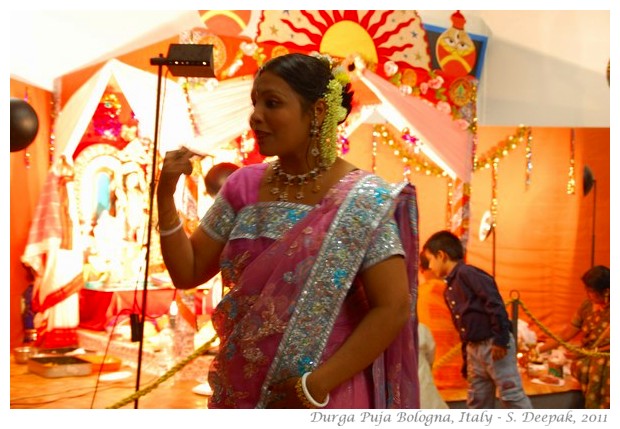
(270, 220)
(330, 278)
(219, 219)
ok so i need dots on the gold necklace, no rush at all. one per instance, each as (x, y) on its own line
(288, 180)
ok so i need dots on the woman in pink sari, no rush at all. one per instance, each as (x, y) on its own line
(320, 258)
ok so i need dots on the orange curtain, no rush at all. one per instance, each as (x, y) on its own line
(543, 234)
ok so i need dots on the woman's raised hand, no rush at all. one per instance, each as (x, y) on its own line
(176, 162)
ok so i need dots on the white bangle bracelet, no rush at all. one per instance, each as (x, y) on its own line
(309, 396)
(166, 232)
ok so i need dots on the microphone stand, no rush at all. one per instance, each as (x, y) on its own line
(589, 184)
(192, 60)
(160, 65)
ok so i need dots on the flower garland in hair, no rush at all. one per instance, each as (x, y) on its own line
(334, 114)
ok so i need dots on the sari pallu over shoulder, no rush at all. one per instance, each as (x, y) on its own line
(286, 300)
(395, 371)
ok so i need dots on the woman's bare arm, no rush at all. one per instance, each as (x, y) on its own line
(191, 261)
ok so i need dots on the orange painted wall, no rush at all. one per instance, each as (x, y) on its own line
(25, 187)
(543, 240)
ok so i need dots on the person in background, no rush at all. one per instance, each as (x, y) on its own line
(429, 395)
(320, 258)
(591, 321)
(479, 315)
(433, 313)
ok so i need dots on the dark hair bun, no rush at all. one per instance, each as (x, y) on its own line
(597, 278)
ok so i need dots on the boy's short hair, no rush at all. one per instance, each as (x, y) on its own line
(447, 242)
(424, 263)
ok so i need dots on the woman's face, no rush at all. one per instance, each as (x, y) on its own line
(280, 126)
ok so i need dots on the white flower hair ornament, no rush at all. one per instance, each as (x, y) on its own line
(326, 58)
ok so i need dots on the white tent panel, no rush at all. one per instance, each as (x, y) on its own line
(221, 113)
(140, 90)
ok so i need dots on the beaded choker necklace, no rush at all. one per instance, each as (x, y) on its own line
(298, 180)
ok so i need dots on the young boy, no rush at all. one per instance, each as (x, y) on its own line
(479, 315)
(432, 312)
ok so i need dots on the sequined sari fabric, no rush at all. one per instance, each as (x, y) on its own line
(295, 296)
(593, 372)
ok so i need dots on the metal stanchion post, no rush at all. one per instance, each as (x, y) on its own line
(515, 317)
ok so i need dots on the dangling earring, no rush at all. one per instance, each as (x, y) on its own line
(314, 134)
(314, 128)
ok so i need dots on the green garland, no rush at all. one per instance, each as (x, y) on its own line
(335, 113)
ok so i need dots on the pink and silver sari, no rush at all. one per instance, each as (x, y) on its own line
(295, 295)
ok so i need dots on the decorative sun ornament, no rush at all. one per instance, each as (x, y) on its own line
(378, 36)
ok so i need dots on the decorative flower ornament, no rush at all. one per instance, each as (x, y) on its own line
(326, 58)
(405, 89)
(248, 48)
(334, 114)
(390, 68)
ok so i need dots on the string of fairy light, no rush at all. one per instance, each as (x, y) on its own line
(571, 185)
(51, 147)
(27, 155)
(52, 137)
(491, 159)
(407, 147)
(450, 204)
(505, 147)
(190, 110)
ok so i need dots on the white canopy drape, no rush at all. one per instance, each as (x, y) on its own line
(140, 89)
